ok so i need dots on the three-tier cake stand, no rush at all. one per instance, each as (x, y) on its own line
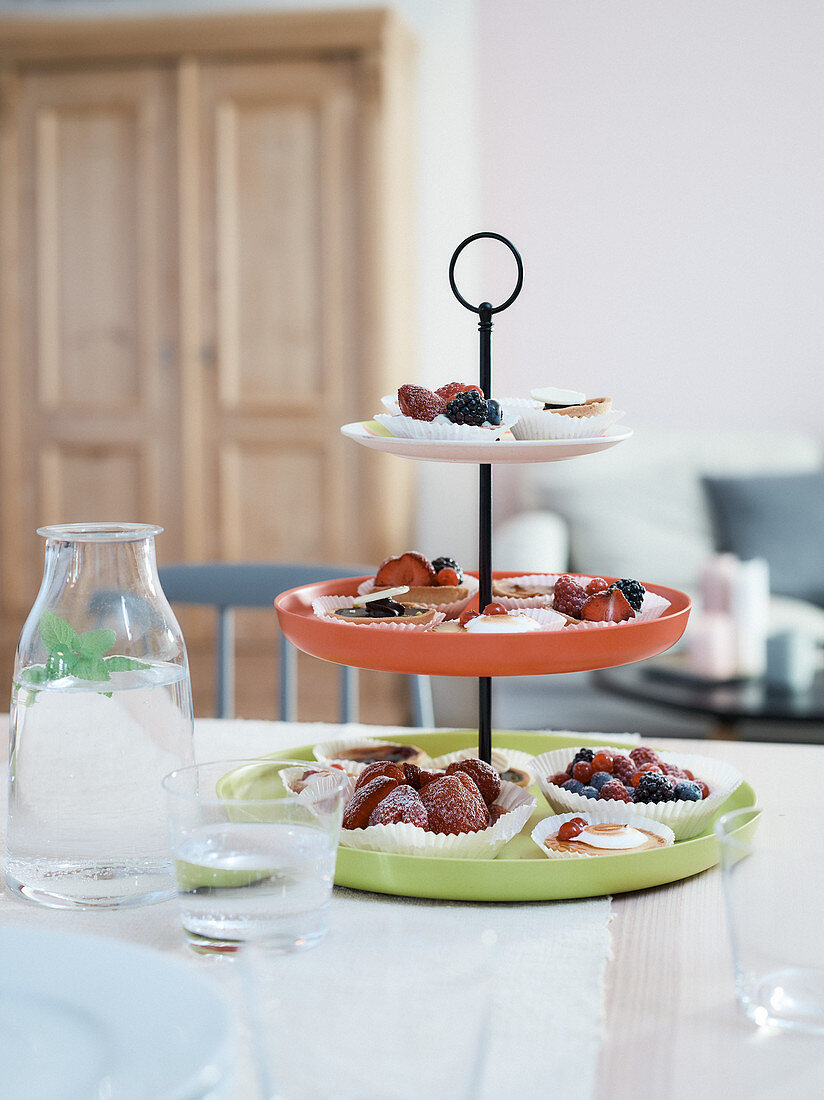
(515, 874)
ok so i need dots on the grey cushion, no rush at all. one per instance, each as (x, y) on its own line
(780, 518)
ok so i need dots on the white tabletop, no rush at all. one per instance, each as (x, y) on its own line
(650, 1014)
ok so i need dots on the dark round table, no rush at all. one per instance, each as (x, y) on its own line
(728, 703)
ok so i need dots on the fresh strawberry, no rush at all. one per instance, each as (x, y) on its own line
(495, 609)
(410, 568)
(447, 576)
(466, 615)
(452, 389)
(420, 403)
(607, 607)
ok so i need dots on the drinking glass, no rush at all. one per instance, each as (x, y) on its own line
(101, 710)
(254, 860)
(774, 890)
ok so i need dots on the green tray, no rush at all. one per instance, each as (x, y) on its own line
(520, 872)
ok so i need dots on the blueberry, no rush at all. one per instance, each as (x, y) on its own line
(589, 792)
(599, 779)
(574, 785)
(494, 414)
(687, 791)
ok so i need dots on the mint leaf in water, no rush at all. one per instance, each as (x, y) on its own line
(61, 662)
(91, 668)
(123, 664)
(94, 643)
(56, 633)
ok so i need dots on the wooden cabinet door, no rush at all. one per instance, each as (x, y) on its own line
(91, 397)
(268, 474)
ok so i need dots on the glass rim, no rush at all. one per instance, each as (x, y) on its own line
(237, 762)
(99, 532)
(727, 838)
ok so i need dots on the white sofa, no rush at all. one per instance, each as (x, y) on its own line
(637, 510)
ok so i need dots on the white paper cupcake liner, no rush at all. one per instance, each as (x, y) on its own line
(502, 760)
(537, 423)
(449, 610)
(686, 819)
(406, 427)
(410, 840)
(599, 813)
(325, 606)
(328, 751)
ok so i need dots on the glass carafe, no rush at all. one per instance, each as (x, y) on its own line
(101, 710)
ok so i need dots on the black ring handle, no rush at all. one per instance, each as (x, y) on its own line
(485, 305)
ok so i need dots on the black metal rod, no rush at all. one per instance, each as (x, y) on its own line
(485, 311)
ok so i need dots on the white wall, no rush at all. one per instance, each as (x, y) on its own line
(660, 164)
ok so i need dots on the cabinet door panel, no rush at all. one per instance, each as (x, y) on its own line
(279, 195)
(98, 389)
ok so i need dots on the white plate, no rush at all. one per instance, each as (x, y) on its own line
(493, 452)
(89, 1018)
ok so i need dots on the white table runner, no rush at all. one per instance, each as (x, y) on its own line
(550, 957)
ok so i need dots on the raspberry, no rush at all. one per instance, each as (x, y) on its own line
(569, 596)
(582, 770)
(468, 407)
(633, 590)
(615, 791)
(448, 563)
(420, 403)
(674, 770)
(597, 584)
(704, 788)
(654, 787)
(623, 768)
(644, 755)
(452, 389)
(559, 779)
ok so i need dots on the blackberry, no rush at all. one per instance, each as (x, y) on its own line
(447, 563)
(494, 412)
(687, 791)
(654, 787)
(467, 408)
(633, 590)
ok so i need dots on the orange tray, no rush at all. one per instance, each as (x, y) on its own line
(429, 654)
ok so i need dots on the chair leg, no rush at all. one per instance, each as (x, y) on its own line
(288, 695)
(349, 709)
(423, 711)
(225, 663)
